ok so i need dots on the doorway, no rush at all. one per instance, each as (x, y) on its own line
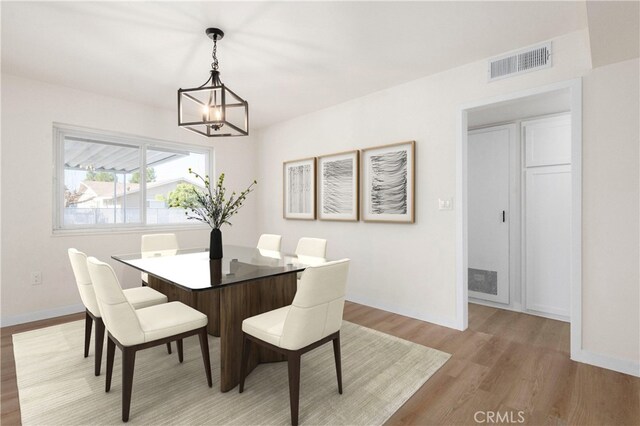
(496, 262)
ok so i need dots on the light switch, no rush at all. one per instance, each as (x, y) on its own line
(445, 204)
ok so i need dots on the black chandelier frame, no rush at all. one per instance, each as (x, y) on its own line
(197, 105)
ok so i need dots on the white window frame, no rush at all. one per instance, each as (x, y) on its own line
(61, 131)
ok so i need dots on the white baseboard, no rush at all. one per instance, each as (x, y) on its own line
(40, 315)
(495, 305)
(445, 322)
(556, 317)
(518, 308)
(625, 366)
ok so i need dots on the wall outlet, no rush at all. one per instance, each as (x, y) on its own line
(36, 278)
(445, 204)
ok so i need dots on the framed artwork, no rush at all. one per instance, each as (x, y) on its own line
(388, 174)
(299, 198)
(338, 189)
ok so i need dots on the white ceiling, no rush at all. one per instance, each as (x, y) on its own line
(614, 31)
(521, 108)
(285, 58)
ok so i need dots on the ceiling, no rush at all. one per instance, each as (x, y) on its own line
(285, 58)
(521, 108)
(614, 31)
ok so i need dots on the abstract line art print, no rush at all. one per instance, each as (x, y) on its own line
(299, 189)
(338, 186)
(388, 174)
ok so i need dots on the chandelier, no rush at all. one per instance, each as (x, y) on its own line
(213, 109)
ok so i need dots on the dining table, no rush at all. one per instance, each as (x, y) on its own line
(247, 281)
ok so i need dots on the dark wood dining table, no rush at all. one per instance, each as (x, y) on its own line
(247, 281)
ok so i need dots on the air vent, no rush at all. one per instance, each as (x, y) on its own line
(530, 59)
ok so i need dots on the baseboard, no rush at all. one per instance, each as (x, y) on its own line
(518, 308)
(445, 322)
(625, 366)
(495, 305)
(40, 315)
(556, 317)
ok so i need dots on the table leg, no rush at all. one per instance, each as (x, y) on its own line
(207, 301)
(244, 300)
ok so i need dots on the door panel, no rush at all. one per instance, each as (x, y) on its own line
(548, 239)
(488, 215)
(548, 141)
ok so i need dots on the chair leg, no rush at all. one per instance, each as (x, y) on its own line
(204, 348)
(128, 364)
(88, 322)
(180, 352)
(293, 362)
(111, 352)
(338, 357)
(246, 348)
(169, 348)
(99, 345)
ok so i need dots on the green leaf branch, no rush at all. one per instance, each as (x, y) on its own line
(211, 205)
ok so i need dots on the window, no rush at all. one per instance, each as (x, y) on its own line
(99, 183)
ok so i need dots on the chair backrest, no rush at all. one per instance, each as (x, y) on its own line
(316, 310)
(158, 245)
(315, 247)
(270, 242)
(117, 313)
(79, 266)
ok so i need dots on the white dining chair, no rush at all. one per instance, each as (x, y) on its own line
(313, 319)
(154, 245)
(311, 252)
(139, 297)
(270, 242)
(312, 247)
(133, 330)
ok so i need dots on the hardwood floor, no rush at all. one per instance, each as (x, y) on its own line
(504, 364)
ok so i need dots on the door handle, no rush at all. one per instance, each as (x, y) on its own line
(503, 216)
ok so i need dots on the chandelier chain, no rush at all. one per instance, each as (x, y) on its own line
(214, 64)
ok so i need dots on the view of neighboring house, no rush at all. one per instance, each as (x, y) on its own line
(95, 202)
(98, 194)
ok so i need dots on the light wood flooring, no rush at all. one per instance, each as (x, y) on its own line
(504, 363)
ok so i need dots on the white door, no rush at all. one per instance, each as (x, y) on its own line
(548, 239)
(547, 189)
(488, 215)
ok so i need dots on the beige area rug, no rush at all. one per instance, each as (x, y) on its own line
(57, 386)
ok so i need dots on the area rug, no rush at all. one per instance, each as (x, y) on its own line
(57, 386)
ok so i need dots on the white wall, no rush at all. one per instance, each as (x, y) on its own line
(610, 206)
(406, 268)
(28, 109)
(410, 268)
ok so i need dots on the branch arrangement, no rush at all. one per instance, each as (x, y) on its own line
(211, 206)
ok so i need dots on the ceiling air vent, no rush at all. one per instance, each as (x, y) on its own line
(529, 59)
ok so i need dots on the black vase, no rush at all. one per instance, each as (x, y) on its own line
(215, 244)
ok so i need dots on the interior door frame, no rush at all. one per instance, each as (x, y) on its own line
(575, 90)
